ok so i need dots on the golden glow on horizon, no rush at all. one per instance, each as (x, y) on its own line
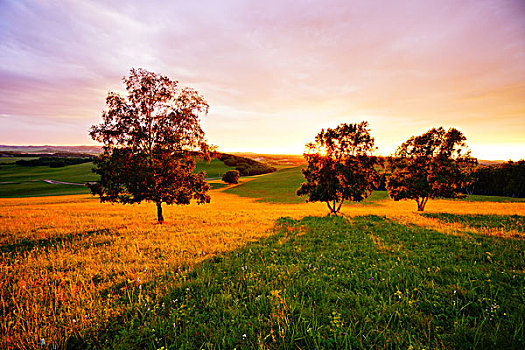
(274, 72)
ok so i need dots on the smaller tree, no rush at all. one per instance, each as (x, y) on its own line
(231, 177)
(435, 164)
(340, 166)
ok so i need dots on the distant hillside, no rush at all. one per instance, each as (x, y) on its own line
(274, 159)
(270, 159)
(47, 149)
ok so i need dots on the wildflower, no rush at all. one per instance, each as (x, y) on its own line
(140, 286)
(74, 321)
(244, 336)
(43, 341)
(174, 325)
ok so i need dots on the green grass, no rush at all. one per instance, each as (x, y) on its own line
(500, 222)
(215, 169)
(23, 181)
(331, 283)
(73, 173)
(281, 187)
(277, 187)
(11, 160)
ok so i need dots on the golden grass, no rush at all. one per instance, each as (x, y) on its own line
(78, 262)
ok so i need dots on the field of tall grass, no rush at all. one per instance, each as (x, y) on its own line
(242, 272)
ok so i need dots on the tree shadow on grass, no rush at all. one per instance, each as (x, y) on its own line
(27, 245)
(323, 282)
(483, 221)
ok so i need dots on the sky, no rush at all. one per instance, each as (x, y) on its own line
(273, 72)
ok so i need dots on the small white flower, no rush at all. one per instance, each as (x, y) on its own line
(43, 341)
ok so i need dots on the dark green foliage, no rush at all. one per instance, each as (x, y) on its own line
(435, 164)
(340, 166)
(245, 166)
(330, 283)
(231, 177)
(54, 162)
(128, 178)
(507, 179)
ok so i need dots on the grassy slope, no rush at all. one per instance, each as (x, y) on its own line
(332, 283)
(215, 169)
(278, 187)
(20, 181)
(79, 273)
(281, 187)
(27, 181)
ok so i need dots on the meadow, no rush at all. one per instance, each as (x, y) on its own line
(259, 268)
(23, 181)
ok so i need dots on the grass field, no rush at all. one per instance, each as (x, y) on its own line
(278, 187)
(281, 187)
(22, 181)
(252, 270)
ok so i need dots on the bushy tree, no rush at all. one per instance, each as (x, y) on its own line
(435, 164)
(505, 179)
(151, 138)
(340, 166)
(231, 177)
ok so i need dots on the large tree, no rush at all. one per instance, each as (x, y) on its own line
(151, 138)
(340, 167)
(435, 164)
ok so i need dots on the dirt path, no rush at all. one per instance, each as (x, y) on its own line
(62, 182)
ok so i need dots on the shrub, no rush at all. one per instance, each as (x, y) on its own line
(231, 177)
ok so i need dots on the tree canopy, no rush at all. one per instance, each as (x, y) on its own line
(340, 166)
(231, 177)
(435, 164)
(151, 138)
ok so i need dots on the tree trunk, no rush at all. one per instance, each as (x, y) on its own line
(421, 205)
(334, 208)
(160, 218)
(340, 204)
(329, 207)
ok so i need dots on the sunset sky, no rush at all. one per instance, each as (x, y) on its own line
(273, 72)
